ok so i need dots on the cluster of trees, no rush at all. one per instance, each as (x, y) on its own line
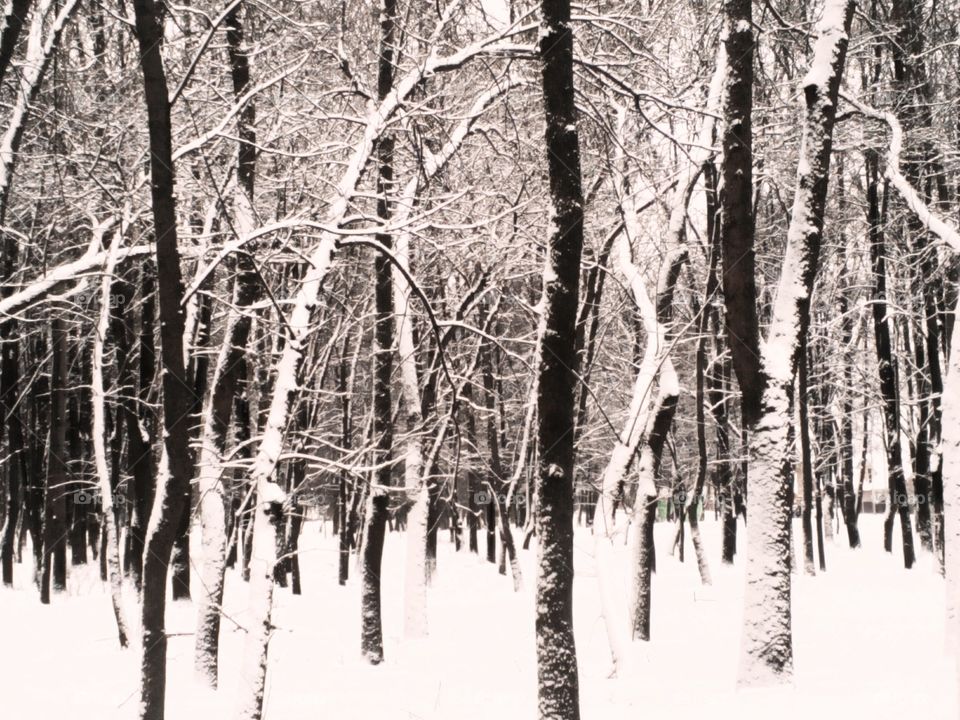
(473, 266)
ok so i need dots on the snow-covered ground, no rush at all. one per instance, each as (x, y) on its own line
(868, 640)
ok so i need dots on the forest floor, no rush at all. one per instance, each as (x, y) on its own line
(868, 642)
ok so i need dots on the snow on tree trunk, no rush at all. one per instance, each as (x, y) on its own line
(112, 549)
(268, 492)
(767, 646)
(216, 422)
(654, 364)
(382, 369)
(415, 575)
(614, 475)
(226, 379)
(558, 683)
(268, 515)
(642, 547)
(371, 629)
(522, 451)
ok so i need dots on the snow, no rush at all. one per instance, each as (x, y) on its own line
(826, 49)
(950, 450)
(869, 643)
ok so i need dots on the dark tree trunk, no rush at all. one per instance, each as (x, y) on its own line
(197, 368)
(558, 686)
(346, 440)
(35, 474)
(55, 499)
(139, 450)
(12, 28)
(498, 501)
(12, 426)
(736, 202)
(821, 557)
(371, 637)
(293, 536)
(887, 367)
(79, 495)
(845, 492)
(646, 566)
(472, 479)
(805, 461)
(176, 475)
(371, 631)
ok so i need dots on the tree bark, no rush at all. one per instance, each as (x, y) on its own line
(558, 684)
(371, 631)
(55, 497)
(767, 646)
(175, 469)
(112, 546)
(806, 462)
(229, 376)
(140, 423)
(736, 203)
(13, 20)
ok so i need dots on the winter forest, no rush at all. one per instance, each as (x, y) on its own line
(479, 358)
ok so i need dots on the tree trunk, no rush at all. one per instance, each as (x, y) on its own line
(112, 547)
(140, 423)
(371, 632)
(175, 470)
(736, 203)
(767, 647)
(347, 374)
(76, 511)
(845, 491)
(229, 378)
(805, 460)
(644, 562)
(558, 684)
(9, 392)
(55, 499)
(887, 369)
(13, 20)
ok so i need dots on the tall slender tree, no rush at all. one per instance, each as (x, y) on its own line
(173, 485)
(767, 645)
(372, 629)
(558, 685)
